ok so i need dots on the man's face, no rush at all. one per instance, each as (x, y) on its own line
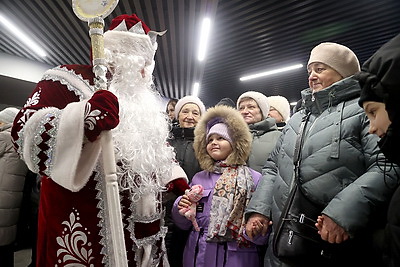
(321, 76)
(250, 111)
(378, 117)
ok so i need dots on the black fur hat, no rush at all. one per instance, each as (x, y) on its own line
(380, 77)
(380, 81)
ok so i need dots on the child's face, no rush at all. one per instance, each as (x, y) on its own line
(218, 148)
(378, 116)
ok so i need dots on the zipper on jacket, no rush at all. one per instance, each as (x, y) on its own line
(290, 238)
(331, 96)
(314, 99)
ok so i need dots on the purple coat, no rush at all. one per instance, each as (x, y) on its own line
(200, 253)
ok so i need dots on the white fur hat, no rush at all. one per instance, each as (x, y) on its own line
(261, 100)
(281, 104)
(189, 99)
(8, 115)
(339, 57)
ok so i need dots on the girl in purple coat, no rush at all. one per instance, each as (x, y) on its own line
(222, 145)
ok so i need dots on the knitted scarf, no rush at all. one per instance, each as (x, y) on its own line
(231, 195)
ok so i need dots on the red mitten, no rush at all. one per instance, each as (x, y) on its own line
(178, 186)
(101, 114)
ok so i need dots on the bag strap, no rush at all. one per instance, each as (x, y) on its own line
(299, 145)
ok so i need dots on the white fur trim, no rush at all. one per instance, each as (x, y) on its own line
(73, 165)
(178, 172)
(116, 35)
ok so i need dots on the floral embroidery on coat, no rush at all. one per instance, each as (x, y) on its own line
(34, 100)
(75, 250)
(91, 116)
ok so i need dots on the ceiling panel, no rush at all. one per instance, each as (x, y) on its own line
(247, 37)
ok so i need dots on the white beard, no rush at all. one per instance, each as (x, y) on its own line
(140, 137)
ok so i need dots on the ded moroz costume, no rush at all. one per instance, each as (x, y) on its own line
(57, 134)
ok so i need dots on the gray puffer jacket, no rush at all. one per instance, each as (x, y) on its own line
(338, 168)
(265, 134)
(12, 178)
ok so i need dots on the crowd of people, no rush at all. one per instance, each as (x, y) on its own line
(339, 149)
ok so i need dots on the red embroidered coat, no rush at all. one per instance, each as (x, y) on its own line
(49, 135)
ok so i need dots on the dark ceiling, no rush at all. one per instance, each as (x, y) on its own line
(248, 36)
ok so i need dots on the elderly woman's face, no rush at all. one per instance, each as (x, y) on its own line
(250, 111)
(321, 76)
(273, 113)
(189, 115)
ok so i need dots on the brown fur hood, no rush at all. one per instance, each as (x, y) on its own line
(238, 131)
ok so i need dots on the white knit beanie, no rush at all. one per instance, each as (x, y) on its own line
(189, 99)
(8, 115)
(281, 104)
(338, 57)
(261, 100)
(221, 129)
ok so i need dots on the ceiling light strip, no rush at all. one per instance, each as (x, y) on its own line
(204, 35)
(22, 36)
(196, 87)
(270, 72)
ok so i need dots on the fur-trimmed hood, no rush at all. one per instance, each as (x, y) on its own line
(238, 131)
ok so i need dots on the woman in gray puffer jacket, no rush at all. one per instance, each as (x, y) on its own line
(338, 165)
(12, 178)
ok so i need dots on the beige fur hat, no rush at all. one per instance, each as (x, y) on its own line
(233, 126)
(339, 57)
(281, 104)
